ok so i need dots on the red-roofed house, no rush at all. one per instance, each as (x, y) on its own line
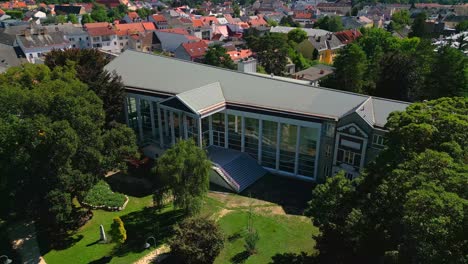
(257, 22)
(125, 31)
(193, 51)
(2, 12)
(102, 36)
(209, 20)
(112, 3)
(303, 17)
(238, 55)
(159, 20)
(348, 36)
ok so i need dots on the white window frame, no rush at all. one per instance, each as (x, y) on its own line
(378, 140)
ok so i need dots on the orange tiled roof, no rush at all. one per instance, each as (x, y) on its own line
(239, 55)
(127, 29)
(159, 18)
(197, 23)
(195, 49)
(133, 15)
(302, 15)
(348, 36)
(2, 12)
(208, 19)
(256, 22)
(148, 26)
(99, 29)
(175, 31)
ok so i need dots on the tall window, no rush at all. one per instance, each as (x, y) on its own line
(145, 113)
(288, 141)
(307, 151)
(218, 129)
(251, 136)
(235, 132)
(206, 131)
(269, 142)
(132, 113)
(156, 123)
(192, 128)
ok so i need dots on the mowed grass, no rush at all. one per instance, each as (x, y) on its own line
(278, 234)
(139, 221)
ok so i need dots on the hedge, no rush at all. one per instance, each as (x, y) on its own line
(101, 195)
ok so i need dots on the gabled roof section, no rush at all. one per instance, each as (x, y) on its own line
(203, 99)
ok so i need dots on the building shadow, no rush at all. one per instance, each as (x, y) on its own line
(291, 194)
(240, 257)
(103, 260)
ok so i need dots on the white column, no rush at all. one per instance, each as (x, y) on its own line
(210, 127)
(242, 134)
(226, 131)
(296, 158)
(260, 135)
(278, 135)
(199, 128)
(153, 126)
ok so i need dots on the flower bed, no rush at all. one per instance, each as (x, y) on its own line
(102, 197)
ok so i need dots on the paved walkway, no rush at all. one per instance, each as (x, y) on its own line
(23, 237)
(154, 256)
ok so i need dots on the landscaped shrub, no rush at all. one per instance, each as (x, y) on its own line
(102, 195)
(118, 232)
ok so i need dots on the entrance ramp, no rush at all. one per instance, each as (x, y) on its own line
(234, 169)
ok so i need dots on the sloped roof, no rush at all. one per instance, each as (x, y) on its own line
(195, 49)
(348, 36)
(50, 39)
(241, 88)
(159, 18)
(100, 29)
(310, 31)
(197, 100)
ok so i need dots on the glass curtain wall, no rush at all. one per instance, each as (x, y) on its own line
(288, 147)
(251, 136)
(206, 131)
(165, 127)
(307, 151)
(234, 132)
(156, 123)
(192, 129)
(145, 113)
(132, 114)
(269, 142)
(218, 129)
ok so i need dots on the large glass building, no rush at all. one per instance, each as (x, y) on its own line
(283, 127)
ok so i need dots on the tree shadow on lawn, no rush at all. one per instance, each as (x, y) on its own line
(240, 257)
(293, 258)
(144, 224)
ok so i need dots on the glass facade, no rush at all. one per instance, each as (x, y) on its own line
(132, 113)
(251, 135)
(145, 112)
(288, 142)
(284, 145)
(307, 151)
(218, 129)
(234, 132)
(269, 142)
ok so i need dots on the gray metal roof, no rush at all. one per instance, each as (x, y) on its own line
(310, 31)
(173, 76)
(198, 99)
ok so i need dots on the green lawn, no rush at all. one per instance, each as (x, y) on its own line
(139, 222)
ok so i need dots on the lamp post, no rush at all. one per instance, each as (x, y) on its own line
(5, 260)
(147, 244)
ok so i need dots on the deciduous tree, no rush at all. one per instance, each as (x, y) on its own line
(197, 241)
(185, 168)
